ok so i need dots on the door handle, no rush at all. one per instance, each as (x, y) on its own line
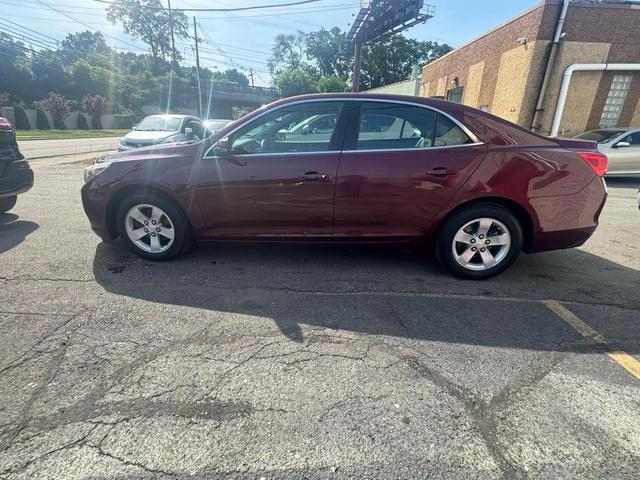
(315, 177)
(440, 172)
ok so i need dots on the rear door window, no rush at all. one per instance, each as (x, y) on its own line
(395, 126)
(390, 126)
(449, 134)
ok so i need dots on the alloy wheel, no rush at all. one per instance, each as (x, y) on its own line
(149, 228)
(481, 244)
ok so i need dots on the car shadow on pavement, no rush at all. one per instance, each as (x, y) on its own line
(383, 292)
(13, 231)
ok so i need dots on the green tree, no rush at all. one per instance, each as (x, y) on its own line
(287, 51)
(331, 84)
(77, 45)
(15, 69)
(390, 60)
(149, 21)
(294, 81)
(330, 52)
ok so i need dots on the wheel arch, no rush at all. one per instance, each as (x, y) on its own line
(521, 213)
(118, 196)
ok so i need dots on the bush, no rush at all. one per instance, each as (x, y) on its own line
(58, 124)
(22, 122)
(58, 107)
(82, 122)
(42, 122)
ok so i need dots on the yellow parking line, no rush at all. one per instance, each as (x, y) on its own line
(623, 359)
(627, 361)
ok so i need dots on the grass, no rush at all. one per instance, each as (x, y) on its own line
(53, 134)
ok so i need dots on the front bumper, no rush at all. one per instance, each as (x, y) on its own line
(94, 202)
(18, 181)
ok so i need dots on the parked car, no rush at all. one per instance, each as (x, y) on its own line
(158, 129)
(215, 124)
(477, 188)
(620, 145)
(16, 176)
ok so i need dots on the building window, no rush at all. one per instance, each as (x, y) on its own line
(455, 95)
(615, 101)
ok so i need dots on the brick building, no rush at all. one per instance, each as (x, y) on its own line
(502, 71)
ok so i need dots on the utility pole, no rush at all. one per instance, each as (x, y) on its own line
(251, 76)
(195, 37)
(357, 63)
(173, 40)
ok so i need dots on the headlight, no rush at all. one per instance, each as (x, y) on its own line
(123, 141)
(96, 169)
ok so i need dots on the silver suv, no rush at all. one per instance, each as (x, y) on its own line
(157, 129)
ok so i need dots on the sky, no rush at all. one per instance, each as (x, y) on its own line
(243, 39)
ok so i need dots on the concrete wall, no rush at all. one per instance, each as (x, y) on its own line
(406, 87)
(71, 122)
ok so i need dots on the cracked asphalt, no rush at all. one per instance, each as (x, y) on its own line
(267, 362)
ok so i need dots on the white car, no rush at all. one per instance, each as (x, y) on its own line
(158, 129)
(620, 145)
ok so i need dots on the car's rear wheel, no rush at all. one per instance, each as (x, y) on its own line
(480, 241)
(8, 203)
(153, 226)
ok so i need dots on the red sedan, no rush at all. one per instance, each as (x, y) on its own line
(357, 168)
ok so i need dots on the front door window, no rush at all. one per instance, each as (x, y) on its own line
(302, 128)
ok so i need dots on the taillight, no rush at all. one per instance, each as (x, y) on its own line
(597, 161)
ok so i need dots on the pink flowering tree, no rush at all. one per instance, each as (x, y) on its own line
(94, 105)
(58, 107)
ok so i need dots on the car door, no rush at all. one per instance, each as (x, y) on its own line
(401, 162)
(265, 185)
(625, 159)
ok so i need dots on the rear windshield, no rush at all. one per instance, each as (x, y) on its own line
(154, 124)
(600, 136)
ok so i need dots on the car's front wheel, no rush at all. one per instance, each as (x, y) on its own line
(480, 241)
(153, 226)
(8, 203)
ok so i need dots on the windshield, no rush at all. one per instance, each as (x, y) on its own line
(163, 124)
(600, 136)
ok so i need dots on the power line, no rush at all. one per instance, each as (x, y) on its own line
(25, 37)
(87, 25)
(236, 9)
(27, 28)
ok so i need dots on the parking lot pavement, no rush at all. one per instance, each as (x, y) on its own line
(311, 362)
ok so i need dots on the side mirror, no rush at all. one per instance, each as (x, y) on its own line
(305, 130)
(222, 148)
(622, 144)
(188, 132)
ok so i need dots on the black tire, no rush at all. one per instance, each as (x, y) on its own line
(451, 226)
(8, 203)
(183, 235)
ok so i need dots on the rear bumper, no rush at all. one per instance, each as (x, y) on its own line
(17, 182)
(94, 204)
(568, 221)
